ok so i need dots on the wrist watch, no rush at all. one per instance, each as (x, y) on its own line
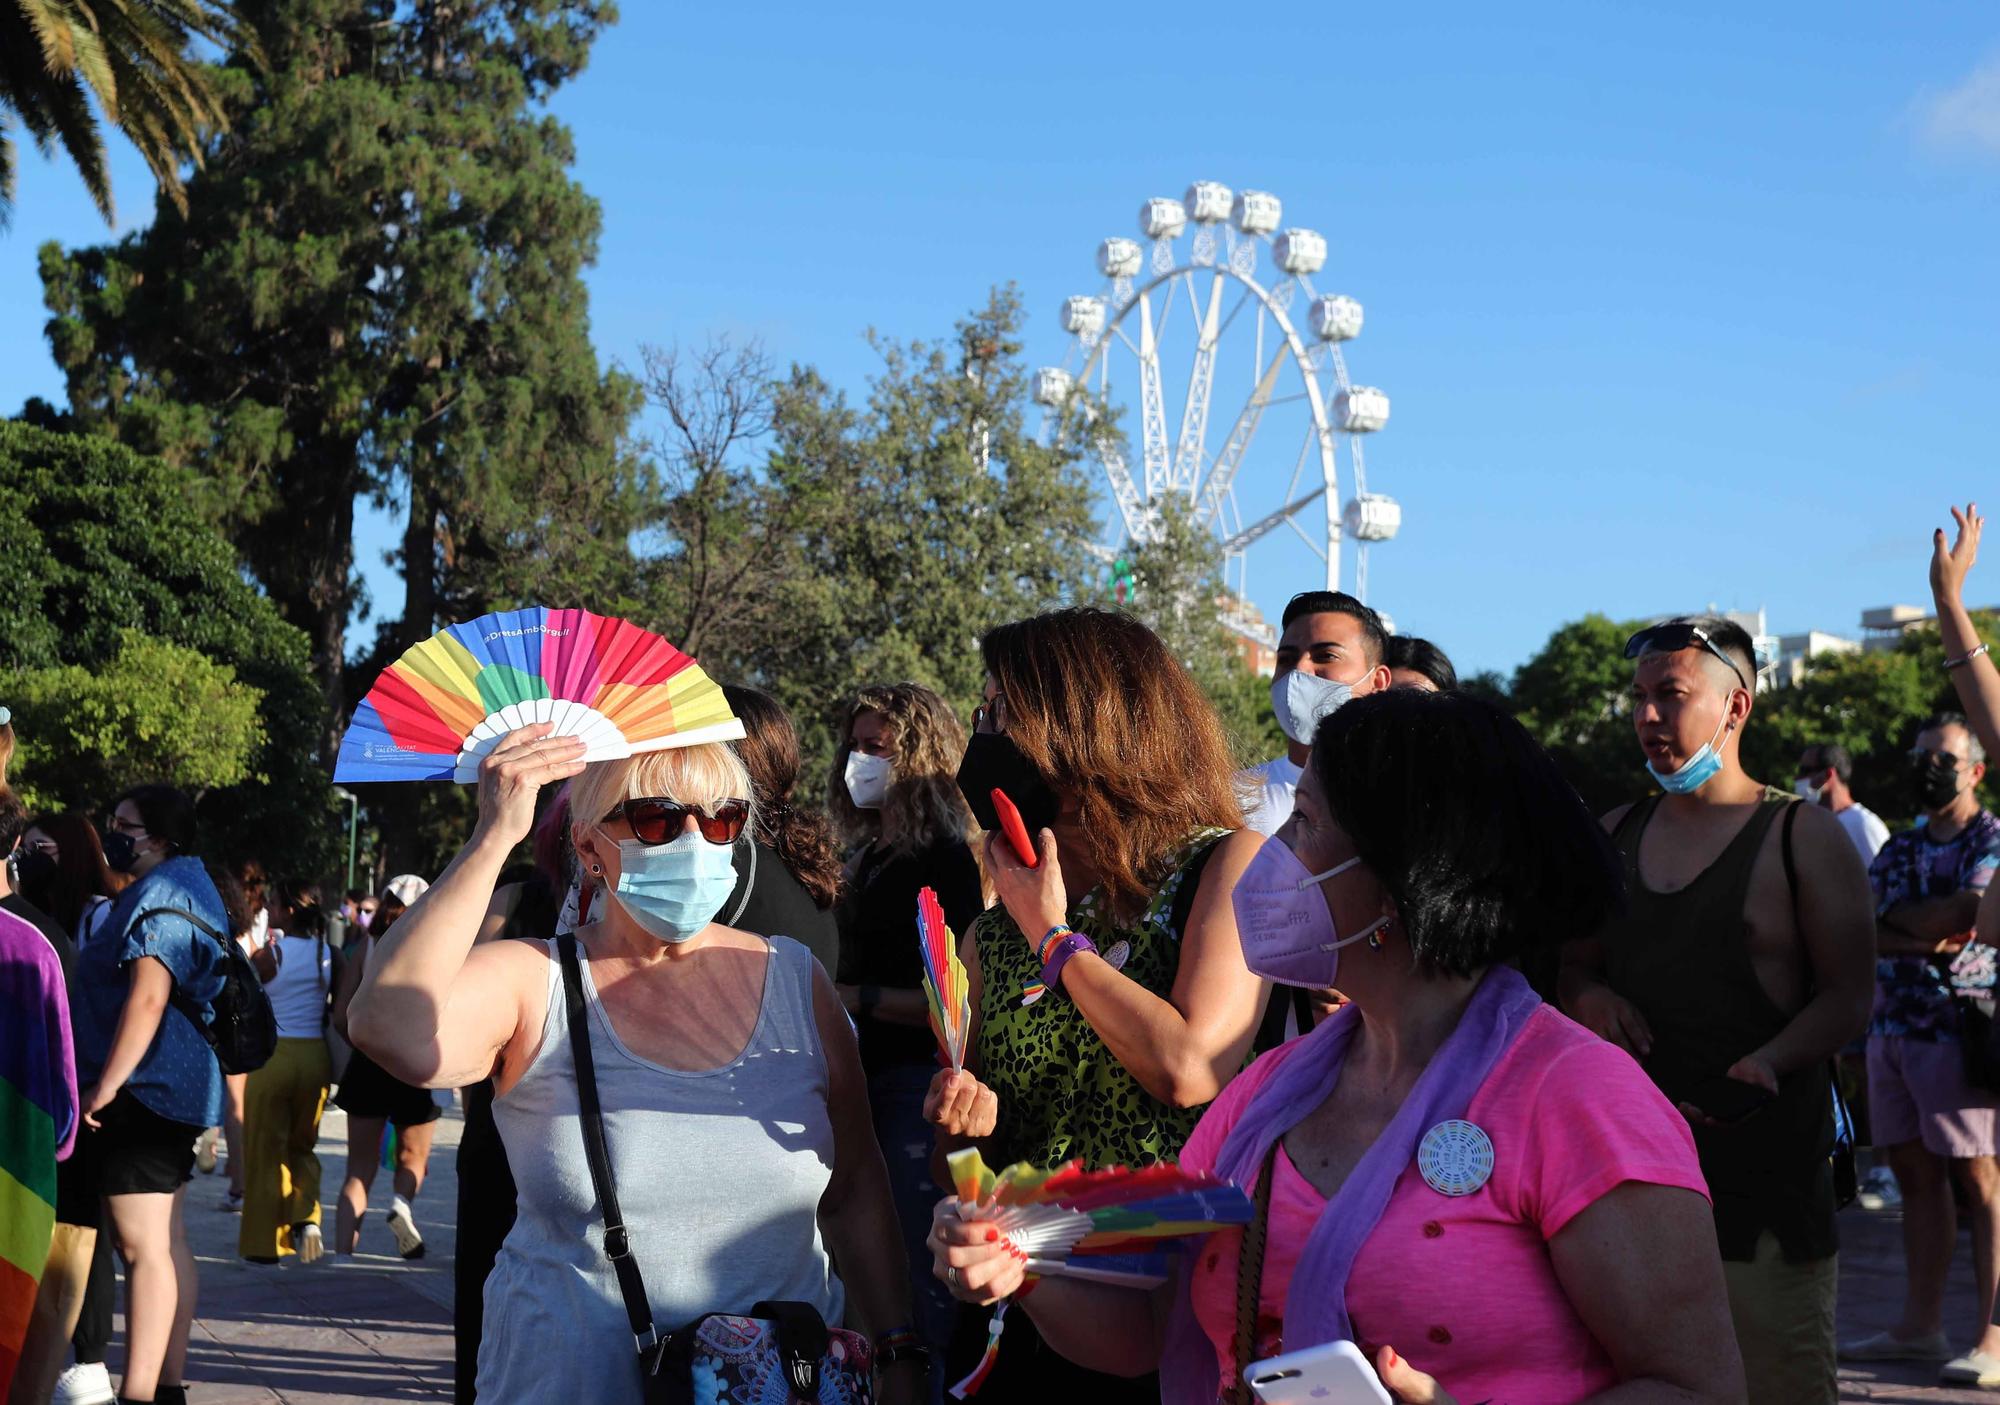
(870, 996)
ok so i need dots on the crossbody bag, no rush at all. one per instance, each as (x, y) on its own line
(785, 1341)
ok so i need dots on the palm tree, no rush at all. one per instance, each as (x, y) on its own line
(132, 57)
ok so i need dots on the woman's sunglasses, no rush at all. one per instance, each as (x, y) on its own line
(655, 820)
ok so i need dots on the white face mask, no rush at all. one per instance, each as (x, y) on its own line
(867, 779)
(1807, 791)
(1302, 700)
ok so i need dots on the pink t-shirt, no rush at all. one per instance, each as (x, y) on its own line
(1464, 1287)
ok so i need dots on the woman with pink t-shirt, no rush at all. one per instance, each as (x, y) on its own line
(1494, 1205)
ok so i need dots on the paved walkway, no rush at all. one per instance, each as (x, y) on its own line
(380, 1328)
(374, 1329)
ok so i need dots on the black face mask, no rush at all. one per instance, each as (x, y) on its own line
(33, 868)
(993, 762)
(121, 851)
(1936, 784)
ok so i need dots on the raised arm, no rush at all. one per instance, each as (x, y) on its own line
(1182, 1049)
(424, 1011)
(1978, 681)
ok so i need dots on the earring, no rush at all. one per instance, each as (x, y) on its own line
(596, 868)
(1375, 940)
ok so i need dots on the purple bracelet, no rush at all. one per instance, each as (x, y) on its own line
(1069, 946)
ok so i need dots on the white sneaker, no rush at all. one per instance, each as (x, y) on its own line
(84, 1384)
(310, 1245)
(204, 1151)
(409, 1243)
(1879, 1190)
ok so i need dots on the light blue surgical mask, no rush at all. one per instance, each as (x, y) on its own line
(1698, 770)
(1302, 700)
(674, 890)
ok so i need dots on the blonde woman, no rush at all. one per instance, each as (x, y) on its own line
(739, 1142)
(893, 791)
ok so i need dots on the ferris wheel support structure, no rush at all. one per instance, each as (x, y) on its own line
(1233, 313)
(1194, 426)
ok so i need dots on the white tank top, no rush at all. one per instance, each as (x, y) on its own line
(298, 995)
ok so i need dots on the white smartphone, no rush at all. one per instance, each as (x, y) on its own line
(1332, 1373)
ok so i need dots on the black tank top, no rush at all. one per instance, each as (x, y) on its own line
(1684, 959)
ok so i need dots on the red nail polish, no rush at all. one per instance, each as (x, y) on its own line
(1393, 1363)
(992, 1236)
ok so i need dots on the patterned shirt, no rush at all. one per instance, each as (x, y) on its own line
(1061, 1092)
(1912, 994)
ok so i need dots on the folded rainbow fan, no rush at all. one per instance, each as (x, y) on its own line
(945, 981)
(1109, 1226)
(437, 710)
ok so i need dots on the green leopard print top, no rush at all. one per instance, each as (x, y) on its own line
(1062, 1095)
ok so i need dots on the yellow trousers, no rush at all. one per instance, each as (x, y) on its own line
(281, 1110)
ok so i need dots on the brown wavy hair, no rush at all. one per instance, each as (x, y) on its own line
(801, 836)
(923, 806)
(1104, 711)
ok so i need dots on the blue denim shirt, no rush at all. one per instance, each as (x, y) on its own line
(178, 1078)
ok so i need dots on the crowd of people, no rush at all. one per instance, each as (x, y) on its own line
(1532, 1105)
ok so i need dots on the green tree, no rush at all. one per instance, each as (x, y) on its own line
(1871, 703)
(1574, 697)
(131, 57)
(376, 289)
(154, 712)
(99, 545)
(809, 547)
(1176, 587)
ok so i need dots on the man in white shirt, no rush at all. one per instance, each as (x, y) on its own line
(1332, 649)
(1823, 778)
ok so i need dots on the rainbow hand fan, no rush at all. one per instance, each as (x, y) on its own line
(944, 980)
(437, 710)
(1108, 1226)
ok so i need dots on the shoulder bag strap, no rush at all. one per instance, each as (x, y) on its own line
(1250, 1281)
(177, 997)
(617, 1244)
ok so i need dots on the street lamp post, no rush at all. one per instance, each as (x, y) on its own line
(353, 830)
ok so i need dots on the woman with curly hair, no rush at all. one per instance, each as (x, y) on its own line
(1110, 997)
(893, 791)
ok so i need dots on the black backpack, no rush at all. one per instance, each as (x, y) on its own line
(244, 1031)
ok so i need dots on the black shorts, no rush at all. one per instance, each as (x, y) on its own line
(369, 1090)
(135, 1152)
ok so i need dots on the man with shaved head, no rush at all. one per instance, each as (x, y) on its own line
(1742, 965)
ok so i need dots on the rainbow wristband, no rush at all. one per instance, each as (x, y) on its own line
(1047, 944)
(1070, 944)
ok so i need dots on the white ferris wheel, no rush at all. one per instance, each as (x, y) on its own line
(1268, 409)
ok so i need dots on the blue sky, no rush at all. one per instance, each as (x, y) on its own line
(1675, 305)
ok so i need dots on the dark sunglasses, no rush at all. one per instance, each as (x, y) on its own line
(656, 820)
(1672, 638)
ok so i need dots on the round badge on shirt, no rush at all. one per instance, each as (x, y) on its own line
(1456, 1158)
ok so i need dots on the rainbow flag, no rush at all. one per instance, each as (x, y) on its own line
(38, 1117)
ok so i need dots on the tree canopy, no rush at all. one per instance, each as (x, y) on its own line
(131, 57)
(106, 569)
(376, 290)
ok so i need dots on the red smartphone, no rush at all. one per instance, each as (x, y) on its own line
(1016, 832)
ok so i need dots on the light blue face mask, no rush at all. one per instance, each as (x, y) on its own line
(1302, 700)
(674, 890)
(1699, 769)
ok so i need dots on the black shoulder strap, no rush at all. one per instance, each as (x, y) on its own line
(1791, 863)
(177, 997)
(1183, 905)
(617, 1244)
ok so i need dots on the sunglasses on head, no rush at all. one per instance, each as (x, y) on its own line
(657, 820)
(1672, 638)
